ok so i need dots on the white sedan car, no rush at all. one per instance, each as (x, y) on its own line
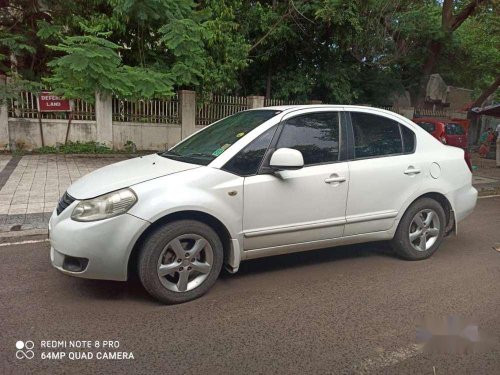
(259, 183)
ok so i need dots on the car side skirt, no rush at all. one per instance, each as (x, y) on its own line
(314, 245)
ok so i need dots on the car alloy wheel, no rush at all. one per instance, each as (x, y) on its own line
(185, 262)
(424, 229)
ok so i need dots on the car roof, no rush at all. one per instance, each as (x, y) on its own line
(347, 107)
(305, 106)
(289, 108)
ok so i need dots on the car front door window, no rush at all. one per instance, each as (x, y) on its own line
(315, 135)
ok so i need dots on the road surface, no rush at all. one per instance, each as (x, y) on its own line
(352, 309)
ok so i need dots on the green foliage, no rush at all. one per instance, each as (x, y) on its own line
(76, 148)
(474, 54)
(130, 147)
(93, 64)
(339, 51)
(14, 85)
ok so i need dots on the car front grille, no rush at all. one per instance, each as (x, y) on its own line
(64, 202)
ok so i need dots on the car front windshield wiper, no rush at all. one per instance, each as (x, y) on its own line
(202, 158)
(167, 154)
(200, 155)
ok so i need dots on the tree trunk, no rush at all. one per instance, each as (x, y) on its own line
(268, 82)
(434, 50)
(486, 93)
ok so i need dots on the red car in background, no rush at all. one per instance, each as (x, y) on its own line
(449, 133)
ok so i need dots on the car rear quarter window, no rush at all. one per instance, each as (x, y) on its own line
(408, 139)
(315, 135)
(375, 135)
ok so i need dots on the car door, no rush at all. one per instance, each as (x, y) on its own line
(384, 172)
(304, 205)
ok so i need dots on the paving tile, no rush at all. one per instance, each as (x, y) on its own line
(35, 208)
(18, 201)
(33, 184)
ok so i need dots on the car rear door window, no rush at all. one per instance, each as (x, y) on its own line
(375, 136)
(315, 135)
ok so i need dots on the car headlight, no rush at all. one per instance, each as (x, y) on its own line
(105, 206)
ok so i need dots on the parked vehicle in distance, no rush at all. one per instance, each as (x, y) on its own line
(259, 183)
(449, 133)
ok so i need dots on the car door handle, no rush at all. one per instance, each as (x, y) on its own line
(335, 178)
(411, 171)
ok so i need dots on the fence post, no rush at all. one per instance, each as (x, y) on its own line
(187, 112)
(4, 120)
(255, 101)
(104, 118)
(409, 113)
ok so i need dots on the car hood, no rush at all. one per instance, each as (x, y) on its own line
(124, 174)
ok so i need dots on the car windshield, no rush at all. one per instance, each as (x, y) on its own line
(208, 144)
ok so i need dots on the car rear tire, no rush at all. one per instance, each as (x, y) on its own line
(180, 261)
(420, 230)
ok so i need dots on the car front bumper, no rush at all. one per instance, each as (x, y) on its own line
(93, 250)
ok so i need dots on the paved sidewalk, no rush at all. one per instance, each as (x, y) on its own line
(31, 185)
(486, 175)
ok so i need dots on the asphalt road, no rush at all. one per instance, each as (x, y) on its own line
(346, 310)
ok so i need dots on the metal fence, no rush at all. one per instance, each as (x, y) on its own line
(219, 106)
(439, 113)
(26, 106)
(156, 111)
(276, 102)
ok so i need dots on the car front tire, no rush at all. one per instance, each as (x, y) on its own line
(420, 231)
(180, 261)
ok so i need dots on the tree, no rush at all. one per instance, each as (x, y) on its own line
(339, 51)
(450, 22)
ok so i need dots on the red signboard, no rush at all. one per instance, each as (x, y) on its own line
(51, 103)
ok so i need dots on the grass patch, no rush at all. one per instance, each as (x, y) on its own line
(76, 148)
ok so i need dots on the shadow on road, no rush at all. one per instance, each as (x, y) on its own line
(132, 290)
(112, 290)
(307, 258)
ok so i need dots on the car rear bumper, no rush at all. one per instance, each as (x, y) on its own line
(93, 250)
(463, 201)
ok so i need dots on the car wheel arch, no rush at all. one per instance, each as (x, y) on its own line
(447, 207)
(200, 216)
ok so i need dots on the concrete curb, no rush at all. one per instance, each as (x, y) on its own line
(23, 235)
(488, 190)
(80, 155)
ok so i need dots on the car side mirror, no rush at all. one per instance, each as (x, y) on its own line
(286, 159)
